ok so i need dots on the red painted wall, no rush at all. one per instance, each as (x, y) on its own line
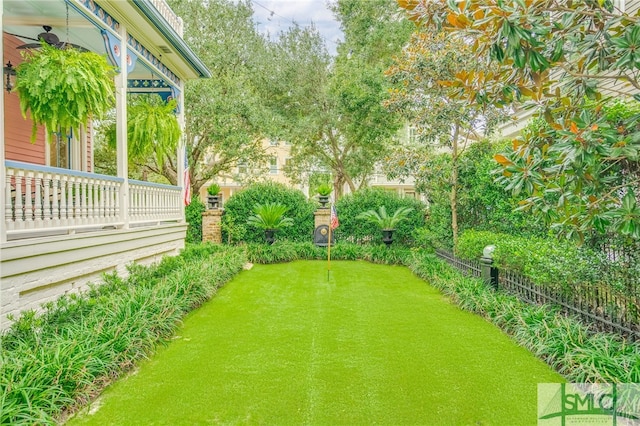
(17, 130)
(17, 137)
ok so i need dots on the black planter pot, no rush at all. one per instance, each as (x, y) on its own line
(387, 236)
(213, 202)
(269, 235)
(324, 200)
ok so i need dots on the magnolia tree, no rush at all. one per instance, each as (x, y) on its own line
(421, 94)
(562, 59)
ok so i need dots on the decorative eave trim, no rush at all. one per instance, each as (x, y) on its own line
(149, 10)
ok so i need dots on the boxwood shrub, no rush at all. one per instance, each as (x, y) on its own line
(545, 261)
(193, 213)
(361, 231)
(240, 206)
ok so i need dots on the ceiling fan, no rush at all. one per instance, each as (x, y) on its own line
(48, 37)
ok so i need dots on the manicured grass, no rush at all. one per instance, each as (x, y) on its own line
(373, 345)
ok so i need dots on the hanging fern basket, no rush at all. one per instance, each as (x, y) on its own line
(152, 128)
(64, 88)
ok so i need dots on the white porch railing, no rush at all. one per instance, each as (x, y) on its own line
(39, 198)
(154, 202)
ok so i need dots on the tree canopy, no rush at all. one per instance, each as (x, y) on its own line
(332, 111)
(438, 117)
(562, 59)
(225, 115)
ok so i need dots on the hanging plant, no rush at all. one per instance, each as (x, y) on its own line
(63, 88)
(152, 128)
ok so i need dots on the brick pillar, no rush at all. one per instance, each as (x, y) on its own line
(212, 226)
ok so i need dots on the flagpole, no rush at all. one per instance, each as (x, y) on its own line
(329, 244)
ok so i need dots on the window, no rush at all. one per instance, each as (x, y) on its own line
(413, 135)
(273, 143)
(273, 165)
(59, 151)
(242, 168)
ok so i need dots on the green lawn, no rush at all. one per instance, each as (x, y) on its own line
(282, 345)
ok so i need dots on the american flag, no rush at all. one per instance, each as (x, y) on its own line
(334, 218)
(186, 179)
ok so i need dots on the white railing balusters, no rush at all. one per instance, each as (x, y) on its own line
(46, 201)
(37, 211)
(63, 201)
(9, 216)
(169, 15)
(102, 190)
(83, 198)
(74, 199)
(154, 202)
(39, 198)
(115, 200)
(55, 202)
(18, 210)
(28, 199)
(91, 188)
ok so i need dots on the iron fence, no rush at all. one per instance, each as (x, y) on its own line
(597, 305)
(469, 267)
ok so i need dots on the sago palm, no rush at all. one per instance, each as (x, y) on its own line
(382, 219)
(269, 216)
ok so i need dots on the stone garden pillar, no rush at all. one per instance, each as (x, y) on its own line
(321, 228)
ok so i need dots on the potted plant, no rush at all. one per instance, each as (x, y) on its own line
(385, 222)
(270, 217)
(324, 189)
(63, 88)
(213, 199)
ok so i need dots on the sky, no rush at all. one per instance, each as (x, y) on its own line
(274, 16)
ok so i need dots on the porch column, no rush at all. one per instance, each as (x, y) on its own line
(121, 128)
(181, 146)
(3, 172)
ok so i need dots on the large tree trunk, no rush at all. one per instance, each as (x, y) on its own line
(352, 186)
(338, 185)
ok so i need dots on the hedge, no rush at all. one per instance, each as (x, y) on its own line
(361, 231)
(240, 206)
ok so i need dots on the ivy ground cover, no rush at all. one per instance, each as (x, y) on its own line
(285, 344)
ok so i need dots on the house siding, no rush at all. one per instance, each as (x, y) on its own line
(39, 270)
(17, 137)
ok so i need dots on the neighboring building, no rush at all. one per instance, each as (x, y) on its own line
(278, 153)
(403, 187)
(62, 224)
